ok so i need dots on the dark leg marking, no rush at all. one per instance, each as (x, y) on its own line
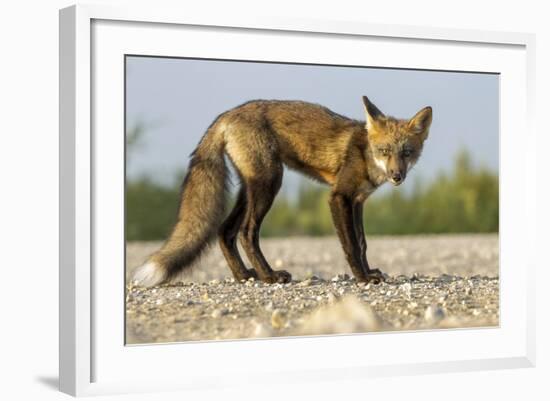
(373, 275)
(259, 198)
(342, 215)
(228, 233)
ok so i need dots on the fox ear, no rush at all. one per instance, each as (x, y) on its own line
(420, 123)
(372, 112)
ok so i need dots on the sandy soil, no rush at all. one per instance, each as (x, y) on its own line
(433, 282)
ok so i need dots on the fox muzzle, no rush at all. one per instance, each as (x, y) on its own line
(397, 178)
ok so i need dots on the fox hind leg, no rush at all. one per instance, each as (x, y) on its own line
(259, 198)
(227, 235)
(254, 151)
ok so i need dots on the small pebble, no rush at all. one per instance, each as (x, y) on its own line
(434, 314)
(331, 297)
(305, 283)
(278, 319)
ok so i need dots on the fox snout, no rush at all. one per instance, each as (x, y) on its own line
(397, 177)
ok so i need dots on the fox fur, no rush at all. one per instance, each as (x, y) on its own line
(259, 137)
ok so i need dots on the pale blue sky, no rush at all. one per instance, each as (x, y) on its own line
(178, 99)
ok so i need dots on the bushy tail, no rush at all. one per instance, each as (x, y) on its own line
(201, 210)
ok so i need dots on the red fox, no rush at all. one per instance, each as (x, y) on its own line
(259, 137)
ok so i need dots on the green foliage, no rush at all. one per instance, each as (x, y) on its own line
(466, 200)
(151, 210)
(309, 215)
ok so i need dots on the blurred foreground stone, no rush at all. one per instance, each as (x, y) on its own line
(348, 315)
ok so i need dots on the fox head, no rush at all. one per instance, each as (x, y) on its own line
(395, 144)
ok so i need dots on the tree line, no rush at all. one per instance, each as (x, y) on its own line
(466, 199)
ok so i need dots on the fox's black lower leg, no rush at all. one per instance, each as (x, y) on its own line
(341, 209)
(228, 238)
(360, 234)
(259, 199)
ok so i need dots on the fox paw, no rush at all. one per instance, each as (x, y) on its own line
(375, 276)
(278, 276)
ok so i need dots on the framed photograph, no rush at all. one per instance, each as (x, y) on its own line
(294, 199)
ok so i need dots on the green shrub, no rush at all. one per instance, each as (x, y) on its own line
(150, 210)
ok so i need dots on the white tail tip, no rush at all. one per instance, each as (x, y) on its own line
(148, 275)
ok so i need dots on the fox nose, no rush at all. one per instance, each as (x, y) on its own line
(397, 177)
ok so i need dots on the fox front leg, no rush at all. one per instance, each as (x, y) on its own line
(373, 275)
(359, 232)
(342, 215)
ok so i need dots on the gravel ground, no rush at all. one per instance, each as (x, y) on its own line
(433, 282)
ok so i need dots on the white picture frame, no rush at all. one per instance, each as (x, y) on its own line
(93, 358)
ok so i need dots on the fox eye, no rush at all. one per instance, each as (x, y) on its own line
(407, 153)
(384, 151)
